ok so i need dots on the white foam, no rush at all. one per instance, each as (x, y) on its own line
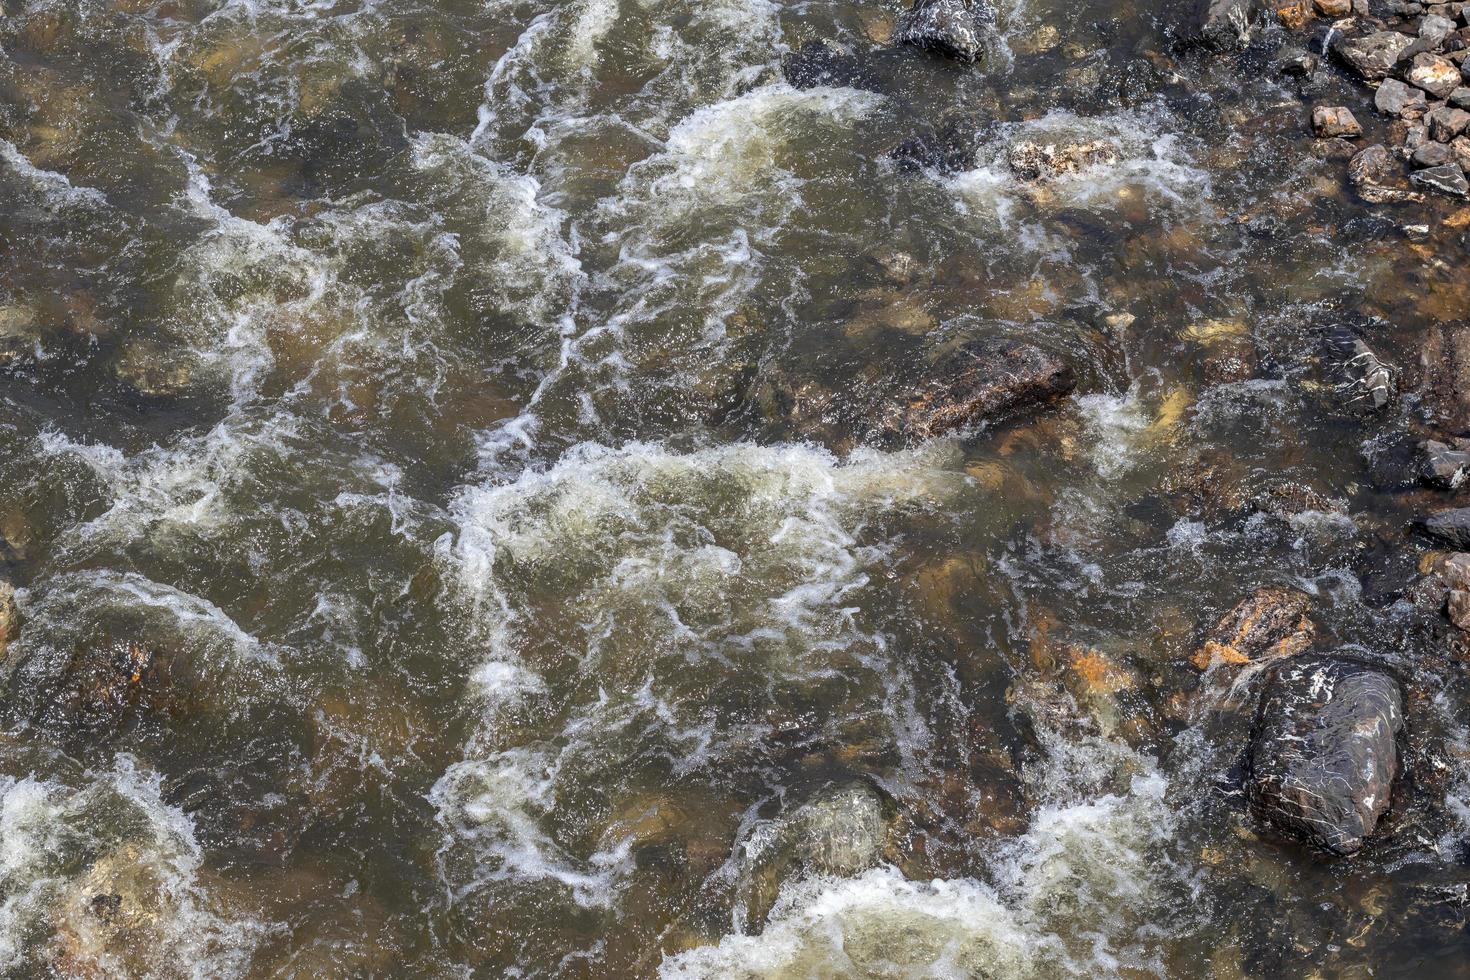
(47, 827)
(1150, 161)
(1084, 892)
(748, 555)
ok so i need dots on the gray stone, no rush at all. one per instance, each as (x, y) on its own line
(1460, 97)
(1394, 98)
(1449, 179)
(1432, 154)
(1447, 122)
(1324, 753)
(1373, 56)
(957, 28)
(1451, 526)
(1435, 28)
(1225, 24)
(1442, 466)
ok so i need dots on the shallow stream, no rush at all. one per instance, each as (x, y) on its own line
(445, 414)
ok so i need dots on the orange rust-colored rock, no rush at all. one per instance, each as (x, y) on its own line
(1093, 673)
(1271, 622)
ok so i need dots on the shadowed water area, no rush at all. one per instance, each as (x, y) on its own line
(454, 533)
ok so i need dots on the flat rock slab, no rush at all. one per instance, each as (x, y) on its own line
(1324, 754)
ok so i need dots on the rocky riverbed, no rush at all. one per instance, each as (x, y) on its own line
(734, 488)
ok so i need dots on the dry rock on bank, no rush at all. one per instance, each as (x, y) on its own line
(1324, 751)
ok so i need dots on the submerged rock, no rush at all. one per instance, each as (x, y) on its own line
(154, 370)
(842, 831)
(1030, 160)
(1271, 622)
(982, 381)
(957, 28)
(9, 618)
(1445, 358)
(1377, 180)
(818, 63)
(1323, 754)
(114, 916)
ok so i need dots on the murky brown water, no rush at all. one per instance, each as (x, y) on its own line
(428, 473)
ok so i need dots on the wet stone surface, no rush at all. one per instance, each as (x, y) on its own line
(726, 488)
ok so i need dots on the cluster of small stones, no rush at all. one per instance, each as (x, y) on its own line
(1415, 59)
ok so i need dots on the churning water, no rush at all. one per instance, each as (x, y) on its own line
(446, 543)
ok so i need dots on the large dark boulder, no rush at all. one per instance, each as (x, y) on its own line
(1324, 751)
(957, 28)
(982, 381)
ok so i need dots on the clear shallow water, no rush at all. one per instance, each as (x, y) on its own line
(456, 406)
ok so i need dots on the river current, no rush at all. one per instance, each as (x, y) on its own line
(444, 547)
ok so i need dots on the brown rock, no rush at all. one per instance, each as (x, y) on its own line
(1447, 122)
(1460, 149)
(1457, 607)
(1334, 8)
(1295, 15)
(1272, 622)
(982, 381)
(1335, 121)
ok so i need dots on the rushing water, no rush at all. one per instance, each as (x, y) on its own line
(435, 403)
